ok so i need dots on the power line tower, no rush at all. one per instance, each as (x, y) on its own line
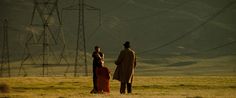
(81, 52)
(45, 43)
(5, 50)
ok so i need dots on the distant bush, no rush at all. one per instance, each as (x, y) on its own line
(4, 88)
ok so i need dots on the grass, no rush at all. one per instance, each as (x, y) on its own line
(143, 87)
(170, 77)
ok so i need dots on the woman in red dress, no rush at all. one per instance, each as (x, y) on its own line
(103, 77)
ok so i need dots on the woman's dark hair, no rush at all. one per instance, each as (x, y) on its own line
(96, 47)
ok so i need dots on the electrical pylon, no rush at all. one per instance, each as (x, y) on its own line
(5, 50)
(45, 43)
(81, 52)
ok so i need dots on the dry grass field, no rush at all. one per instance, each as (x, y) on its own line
(170, 77)
(143, 87)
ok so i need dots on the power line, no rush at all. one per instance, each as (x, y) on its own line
(158, 12)
(94, 32)
(99, 25)
(221, 46)
(191, 31)
(125, 2)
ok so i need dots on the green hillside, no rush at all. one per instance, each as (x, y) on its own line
(164, 66)
(170, 37)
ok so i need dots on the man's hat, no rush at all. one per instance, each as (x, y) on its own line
(96, 47)
(127, 44)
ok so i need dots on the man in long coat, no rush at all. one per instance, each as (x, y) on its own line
(124, 72)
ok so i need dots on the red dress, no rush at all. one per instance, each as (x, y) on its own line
(103, 79)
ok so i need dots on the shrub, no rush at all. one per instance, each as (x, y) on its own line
(4, 88)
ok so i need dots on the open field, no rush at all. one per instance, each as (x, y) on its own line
(163, 77)
(143, 87)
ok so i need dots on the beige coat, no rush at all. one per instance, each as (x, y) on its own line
(126, 63)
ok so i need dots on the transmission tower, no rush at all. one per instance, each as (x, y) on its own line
(81, 57)
(5, 50)
(45, 43)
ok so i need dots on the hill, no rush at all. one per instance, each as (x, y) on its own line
(183, 36)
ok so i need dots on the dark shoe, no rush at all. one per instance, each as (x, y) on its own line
(93, 91)
(122, 88)
(129, 87)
